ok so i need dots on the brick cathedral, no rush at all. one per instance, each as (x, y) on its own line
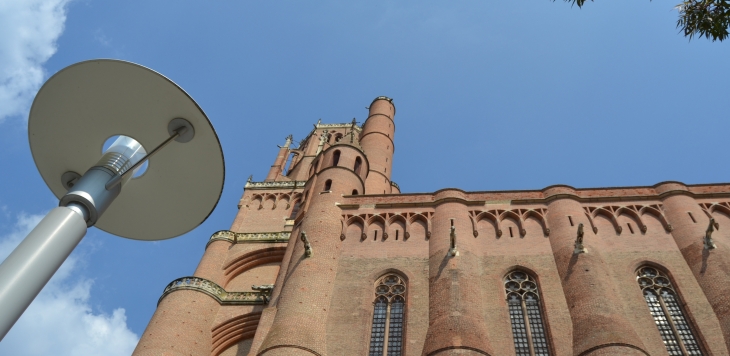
(328, 257)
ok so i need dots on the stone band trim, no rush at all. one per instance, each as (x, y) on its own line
(216, 292)
(249, 237)
(274, 185)
(346, 125)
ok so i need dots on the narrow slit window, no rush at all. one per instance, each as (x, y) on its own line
(525, 312)
(665, 307)
(510, 231)
(295, 210)
(570, 218)
(358, 163)
(396, 234)
(336, 158)
(692, 217)
(387, 331)
(376, 236)
(630, 228)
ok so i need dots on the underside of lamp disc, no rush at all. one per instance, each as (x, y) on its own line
(84, 104)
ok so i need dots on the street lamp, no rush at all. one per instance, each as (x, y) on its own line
(73, 114)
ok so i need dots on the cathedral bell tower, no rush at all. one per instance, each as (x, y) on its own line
(377, 142)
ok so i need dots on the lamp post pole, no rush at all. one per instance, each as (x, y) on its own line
(32, 264)
(73, 112)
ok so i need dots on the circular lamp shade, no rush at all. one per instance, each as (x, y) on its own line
(83, 105)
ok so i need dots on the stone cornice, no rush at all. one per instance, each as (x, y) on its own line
(531, 197)
(275, 185)
(250, 237)
(346, 125)
(217, 292)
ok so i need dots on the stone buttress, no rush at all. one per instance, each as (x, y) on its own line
(456, 321)
(711, 267)
(600, 326)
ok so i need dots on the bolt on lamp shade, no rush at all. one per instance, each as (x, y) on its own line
(83, 105)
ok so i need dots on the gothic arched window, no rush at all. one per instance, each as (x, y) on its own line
(665, 307)
(523, 301)
(386, 337)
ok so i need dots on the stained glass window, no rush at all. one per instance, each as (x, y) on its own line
(664, 307)
(523, 302)
(386, 336)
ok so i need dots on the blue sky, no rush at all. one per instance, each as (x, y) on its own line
(489, 95)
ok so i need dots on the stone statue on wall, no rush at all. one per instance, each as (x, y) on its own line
(579, 248)
(452, 251)
(709, 244)
(307, 246)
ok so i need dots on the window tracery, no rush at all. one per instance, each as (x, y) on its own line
(664, 306)
(386, 336)
(523, 302)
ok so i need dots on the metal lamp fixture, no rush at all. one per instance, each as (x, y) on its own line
(155, 122)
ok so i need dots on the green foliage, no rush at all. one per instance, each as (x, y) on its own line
(702, 18)
(708, 18)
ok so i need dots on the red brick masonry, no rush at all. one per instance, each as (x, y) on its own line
(322, 304)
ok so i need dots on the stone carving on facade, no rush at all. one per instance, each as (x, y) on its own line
(709, 244)
(264, 289)
(244, 237)
(288, 142)
(452, 251)
(275, 185)
(633, 212)
(323, 138)
(579, 248)
(217, 292)
(339, 126)
(307, 245)
(709, 208)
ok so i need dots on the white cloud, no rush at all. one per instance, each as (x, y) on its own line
(28, 33)
(60, 321)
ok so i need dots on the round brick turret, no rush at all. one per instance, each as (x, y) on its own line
(456, 307)
(711, 268)
(600, 325)
(376, 140)
(186, 316)
(299, 327)
(180, 326)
